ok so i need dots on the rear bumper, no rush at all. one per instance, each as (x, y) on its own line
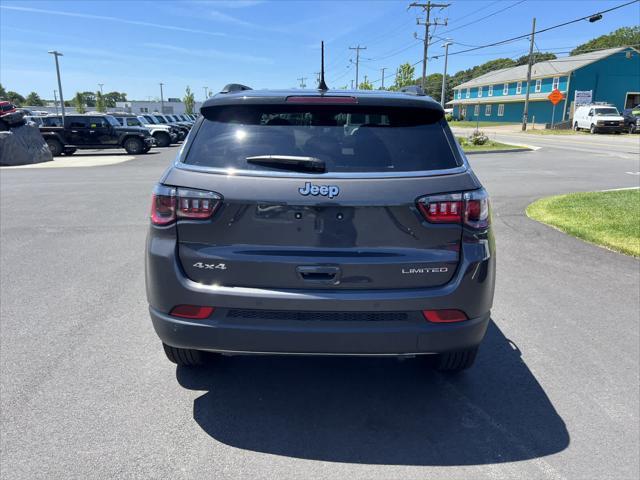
(470, 290)
(222, 333)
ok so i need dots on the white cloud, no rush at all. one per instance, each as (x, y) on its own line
(210, 53)
(112, 19)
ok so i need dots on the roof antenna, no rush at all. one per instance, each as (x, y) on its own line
(322, 85)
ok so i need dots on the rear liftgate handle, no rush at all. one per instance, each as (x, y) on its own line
(328, 275)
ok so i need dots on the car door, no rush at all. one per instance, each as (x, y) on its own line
(100, 131)
(77, 130)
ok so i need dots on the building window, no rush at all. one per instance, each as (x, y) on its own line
(459, 93)
(463, 111)
(490, 91)
(556, 83)
(479, 92)
(487, 110)
(468, 94)
(505, 89)
(538, 85)
(518, 88)
(501, 110)
(476, 110)
(144, 110)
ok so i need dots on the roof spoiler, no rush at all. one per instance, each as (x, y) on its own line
(234, 87)
(413, 90)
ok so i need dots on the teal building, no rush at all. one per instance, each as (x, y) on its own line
(611, 75)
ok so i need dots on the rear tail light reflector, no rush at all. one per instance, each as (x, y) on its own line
(169, 204)
(194, 312)
(470, 208)
(444, 316)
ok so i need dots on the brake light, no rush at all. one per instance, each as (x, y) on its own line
(169, 204)
(322, 99)
(470, 208)
(194, 312)
(444, 316)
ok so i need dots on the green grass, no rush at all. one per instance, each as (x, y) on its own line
(472, 124)
(610, 219)
(490, 146)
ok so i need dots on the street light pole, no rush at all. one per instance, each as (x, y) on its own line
(100, 85)
(206, 92)
(444, 76)
(55, 100)
(161, 99)
(57, 54)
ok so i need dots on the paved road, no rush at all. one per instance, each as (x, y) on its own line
(86, 391)
(622, 146)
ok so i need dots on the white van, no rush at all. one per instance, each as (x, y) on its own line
(598, 118)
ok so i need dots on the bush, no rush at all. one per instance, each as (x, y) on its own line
(477, 138)
(448, 117)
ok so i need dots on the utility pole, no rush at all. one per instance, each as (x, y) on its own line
(100, 85)
(317, 74)
(301, 80)
(357, 49)
(161, 99)
(206, 92)
(444, 75)
(57, 54)
(525, 112)
(352, 84)
(427, 9)
(55, 100)
(383, 69)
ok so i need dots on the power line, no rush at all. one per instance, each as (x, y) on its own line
(357, 49)
(485, 17)
(427, 7)
(501, 42)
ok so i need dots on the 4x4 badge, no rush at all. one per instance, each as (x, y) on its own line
(324, 190)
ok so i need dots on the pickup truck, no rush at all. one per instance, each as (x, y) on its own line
(95, 131)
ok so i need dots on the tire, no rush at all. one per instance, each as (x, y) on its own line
(55, 147)
(70, 151)
(453, 362)
(593, 130)
(133, 146)
(162, 139)
(183, 356)
(146, 149)
(575, 127)
(632, 128)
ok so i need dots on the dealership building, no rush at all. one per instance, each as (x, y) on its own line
(611, 76)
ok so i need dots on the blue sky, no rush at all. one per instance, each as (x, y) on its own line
(131, 46)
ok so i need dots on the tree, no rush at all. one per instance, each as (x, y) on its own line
(433, 86)
(89, 99)
(100, 103)
(404, 76)
(621, 37)
(34, 100)
(111, 98)
(366, 84)
(537, 57)
(3, 92)
(189, 100)
(15, 98)
(80, 103)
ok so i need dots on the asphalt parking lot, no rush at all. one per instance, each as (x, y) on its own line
(86, 391)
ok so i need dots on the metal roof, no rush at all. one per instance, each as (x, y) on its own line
(548, 68)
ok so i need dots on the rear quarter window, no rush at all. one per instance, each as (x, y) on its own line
(344, 138)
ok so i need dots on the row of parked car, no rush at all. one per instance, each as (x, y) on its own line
(135, 133)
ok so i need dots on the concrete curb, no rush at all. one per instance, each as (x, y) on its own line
(510, 150)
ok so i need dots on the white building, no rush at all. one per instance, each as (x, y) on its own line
(171, 106)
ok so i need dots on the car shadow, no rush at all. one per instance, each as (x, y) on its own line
(379, 411)
(109, 153)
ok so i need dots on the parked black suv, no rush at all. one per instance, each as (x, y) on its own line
(95, 131)
(632, 119)
(325, 223)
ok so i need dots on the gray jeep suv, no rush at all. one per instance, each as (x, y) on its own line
(320, 223)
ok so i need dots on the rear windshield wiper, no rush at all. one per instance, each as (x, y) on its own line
(289, 162)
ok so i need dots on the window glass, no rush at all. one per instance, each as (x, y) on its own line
(345, 139)
(133, 122)
(79, 122)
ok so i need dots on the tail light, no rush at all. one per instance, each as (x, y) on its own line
(470, 208)
(169, 204)
(194, 312)
(444, 316)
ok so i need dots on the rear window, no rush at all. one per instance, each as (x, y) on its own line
(345, 138)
